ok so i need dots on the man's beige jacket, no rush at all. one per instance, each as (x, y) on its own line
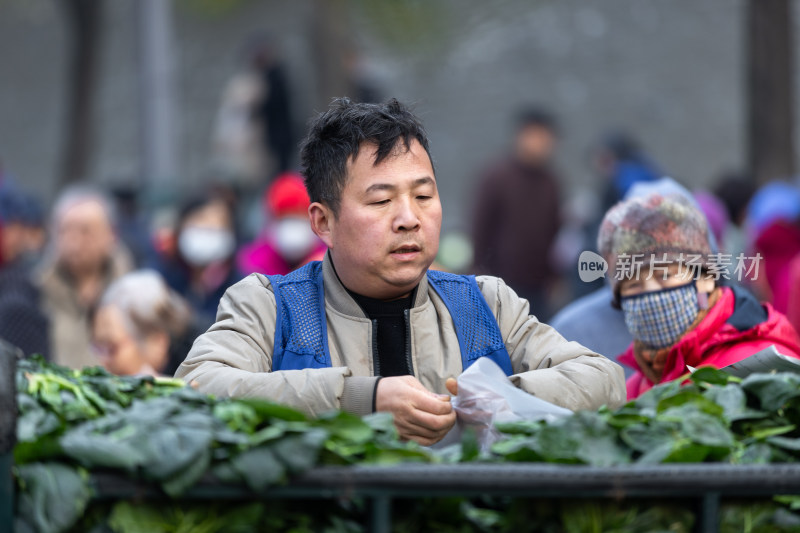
(234, 357)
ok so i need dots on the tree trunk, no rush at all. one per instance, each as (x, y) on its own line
(83, 18)
(769, 78)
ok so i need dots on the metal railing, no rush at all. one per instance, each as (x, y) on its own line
(706, 484)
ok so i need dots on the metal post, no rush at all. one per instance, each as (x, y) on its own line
(380, 514)
(709, 514)
(8, 432)
(157, 129)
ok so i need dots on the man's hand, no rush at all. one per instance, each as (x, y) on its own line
(452, 386)
(419, 414)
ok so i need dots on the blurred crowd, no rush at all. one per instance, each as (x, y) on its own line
(98, 278)
(95, 282)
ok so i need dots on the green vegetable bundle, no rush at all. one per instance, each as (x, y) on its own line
(715, 417)
(160, 431)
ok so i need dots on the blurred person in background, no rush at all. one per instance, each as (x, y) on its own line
(674, 307)
(620, 162)
(735, 192)
(516, 217)
(773, 227)
(716, 215)
(22, 320)
(142, 327)
(131, 225)
(85, 257)
(25, 225)
(579, 218)
(620, 165)
(274, 110)
(237, 143)
(793, 307)
(203, 264)
(287, 241)
(362, 83)
(253, 137)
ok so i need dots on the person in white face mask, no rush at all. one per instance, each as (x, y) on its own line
(203, 263)
(668, 284)
(287, 241)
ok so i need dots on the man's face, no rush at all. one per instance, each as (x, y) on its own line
(535, 145)
(386, 234)
(85, 238)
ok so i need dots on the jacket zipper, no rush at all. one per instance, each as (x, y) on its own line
(406, 317)
(376, 363)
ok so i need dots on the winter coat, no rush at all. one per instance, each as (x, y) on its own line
(793, 311)
(736, 327)
(203, 303)
(234, 357)
(778, 244)
(69, 318)
(515, 224)
(594, 323)
(22, 321)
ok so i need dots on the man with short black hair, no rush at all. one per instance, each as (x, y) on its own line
(370, 328)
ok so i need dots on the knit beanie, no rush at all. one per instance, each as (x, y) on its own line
(287, 196)
(652, 228)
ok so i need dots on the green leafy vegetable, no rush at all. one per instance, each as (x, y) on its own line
(159, 431)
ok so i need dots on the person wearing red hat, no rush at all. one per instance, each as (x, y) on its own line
(287, 242)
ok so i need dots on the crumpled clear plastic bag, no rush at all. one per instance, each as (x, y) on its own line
(486, 397)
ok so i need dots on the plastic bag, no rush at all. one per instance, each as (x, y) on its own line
(485, 397)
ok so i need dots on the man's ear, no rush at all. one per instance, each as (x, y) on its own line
(322, 222)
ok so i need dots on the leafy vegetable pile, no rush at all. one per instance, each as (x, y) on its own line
(159, 431)
(716, 417)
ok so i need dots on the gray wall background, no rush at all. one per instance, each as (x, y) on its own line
(672, 72)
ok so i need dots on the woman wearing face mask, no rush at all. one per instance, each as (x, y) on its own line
(203, 265)
(287, 242)
(675, 309)
(141, 327)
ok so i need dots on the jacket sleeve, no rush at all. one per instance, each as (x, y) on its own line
(234, 359)
(547, 365)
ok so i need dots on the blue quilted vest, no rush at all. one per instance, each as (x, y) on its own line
(301, 332)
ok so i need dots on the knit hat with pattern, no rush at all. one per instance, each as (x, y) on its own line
(652, 228)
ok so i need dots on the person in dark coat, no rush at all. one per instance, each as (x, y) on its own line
(22, 320)
(517, 213)
(274, 111)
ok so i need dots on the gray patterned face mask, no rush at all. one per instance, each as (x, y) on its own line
(660, 318)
